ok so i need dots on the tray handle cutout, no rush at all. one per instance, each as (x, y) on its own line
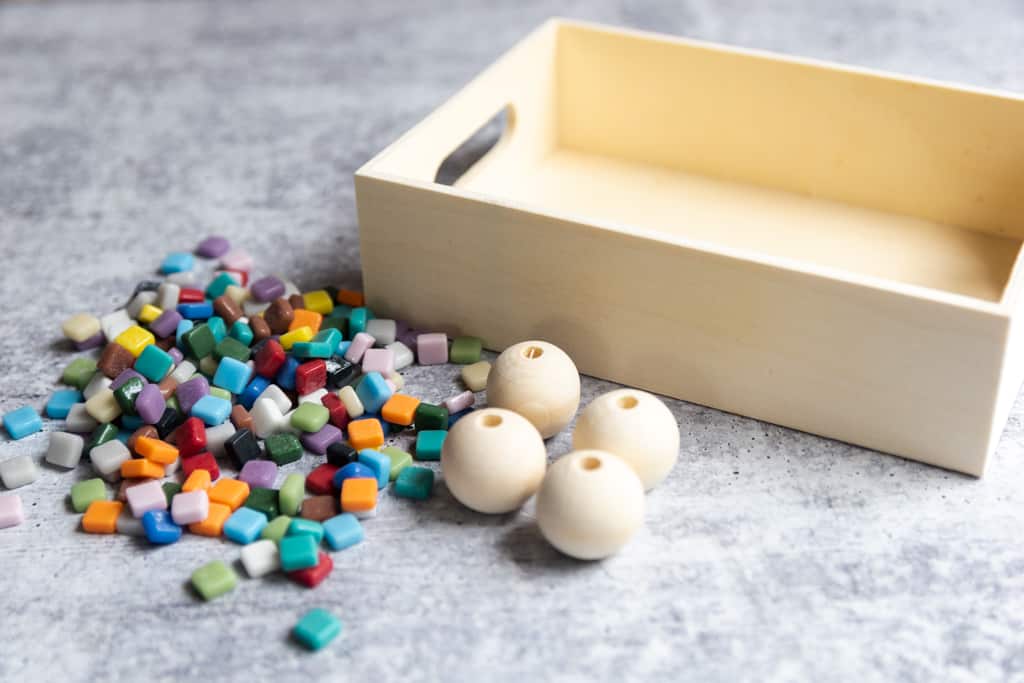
(477, 146)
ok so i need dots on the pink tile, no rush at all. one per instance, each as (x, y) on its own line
(459, 402)
(237, 259)
(360, 343)
(432, 348)
(379, 360)
(145, 497)
(190, 507)
(11, 511)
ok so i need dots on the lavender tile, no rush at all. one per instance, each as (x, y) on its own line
(166, 324)
(94, 342)
(266, 289)
(126, 375)
(318, 442)
(150, 404)
(260, 473)
(213, 246)
(191, 391)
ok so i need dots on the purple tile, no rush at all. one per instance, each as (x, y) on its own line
(150, 404)
(213, 246)
(94, 342)
(408, 337)
(191, 391)
(124, 377)
(260, 473)
(166, 324)
(266, 289)
(176, 355)
(319, 441)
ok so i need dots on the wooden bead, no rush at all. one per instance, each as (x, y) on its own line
(590, 504)
(634, 425)
(537, 380)
(493, 460)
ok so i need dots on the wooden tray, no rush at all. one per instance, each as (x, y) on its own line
(822, 247)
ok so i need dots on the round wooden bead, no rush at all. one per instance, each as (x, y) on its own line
(493, 460)
(634, 425)
(590, 504)
(537, 380)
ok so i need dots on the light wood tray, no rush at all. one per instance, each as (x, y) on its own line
(822, 247)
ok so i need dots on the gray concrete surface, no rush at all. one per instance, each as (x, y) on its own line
(127, 129)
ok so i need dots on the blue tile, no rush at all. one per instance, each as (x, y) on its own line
(343, 531)
(160, 528)
(23, 421)
(177, 262)
(244, 525)
(61, 401)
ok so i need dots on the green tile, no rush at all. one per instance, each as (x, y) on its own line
(310, 417)
(171, 489)
(220, 392)
(199, 341)
(277, 528)
(283, 448)
(399, 460)
(78, 372)
(430, 416)
(230, 347)
(126, 394)
(214, 580)
(263, 500)
(85, 492)
(102, 434)
(291, 494)
(465, 350)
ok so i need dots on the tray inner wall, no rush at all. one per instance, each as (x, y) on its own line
(789, 160)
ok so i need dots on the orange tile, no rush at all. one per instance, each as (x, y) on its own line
(304, 318)
(213, 525)
(199, 480)
(230, 492)
(101, 516)
(156, 450)
(400, 409)
(140, 468)
(350, 297)
(358, 494)
(366, 433)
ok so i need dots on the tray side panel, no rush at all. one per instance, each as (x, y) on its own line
(522, 80)
(907, 376)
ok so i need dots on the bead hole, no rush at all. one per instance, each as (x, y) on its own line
(628, 402)
(491, 420)
(590, 463)
(533, 352)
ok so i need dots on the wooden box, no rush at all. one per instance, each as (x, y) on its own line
(822, 247)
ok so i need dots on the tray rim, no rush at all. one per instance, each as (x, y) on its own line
(1004, 307)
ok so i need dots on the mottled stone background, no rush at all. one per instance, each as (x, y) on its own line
(130, 128)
